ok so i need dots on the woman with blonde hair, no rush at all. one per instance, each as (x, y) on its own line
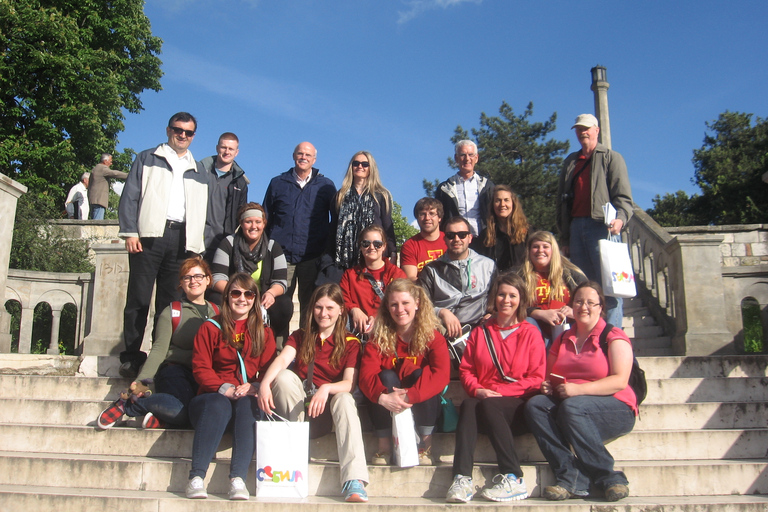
(405, 365)
(320, 383)
(503, 238)
(361, 201)
(550, 279)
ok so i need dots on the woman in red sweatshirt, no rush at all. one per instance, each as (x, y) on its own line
(230, 352)
(406, 364)
(497, 392)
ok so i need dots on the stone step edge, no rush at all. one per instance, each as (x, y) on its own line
(329, 504)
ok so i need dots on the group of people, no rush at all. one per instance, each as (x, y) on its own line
(475, 267)
(90, 195)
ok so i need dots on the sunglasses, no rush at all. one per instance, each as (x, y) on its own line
(248, 294)
(364, 165)
(179, 131)
(450, 235)
(378, 244)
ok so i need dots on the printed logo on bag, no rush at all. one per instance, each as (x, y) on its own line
(267, 474)
(622, 277)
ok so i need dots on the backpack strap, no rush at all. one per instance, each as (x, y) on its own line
(604, 338)
(175, 315)
(215, 308)
(243, 373)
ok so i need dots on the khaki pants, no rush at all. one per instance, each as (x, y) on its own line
(288, 395)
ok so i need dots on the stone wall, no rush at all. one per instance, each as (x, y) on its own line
(742, 246)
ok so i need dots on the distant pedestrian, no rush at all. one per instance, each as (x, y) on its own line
(76, 203)
(98, 189)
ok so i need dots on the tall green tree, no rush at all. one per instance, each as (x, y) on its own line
(403, 230)
(516, 151)
(68, 69)
(728, 168)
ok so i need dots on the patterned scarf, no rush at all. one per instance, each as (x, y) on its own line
(355, 214)
(244, 259)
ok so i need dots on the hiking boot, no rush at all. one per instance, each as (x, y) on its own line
(556, 493)
(425, 457)
(461, 490)
(616, 492)
(196, 489)
(506, 488)
(354, 491)
(380, 459)
(111, 414)
(237, 489)
(151, 421)
(129, 370)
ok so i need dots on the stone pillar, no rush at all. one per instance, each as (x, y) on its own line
(25, 330)
(10, 191)
(703, 328)
(600, 87)
(109, 290)
(53, 348)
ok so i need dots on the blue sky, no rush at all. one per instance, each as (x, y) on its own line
(395, 77)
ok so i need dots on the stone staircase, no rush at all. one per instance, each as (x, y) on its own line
(700, 443)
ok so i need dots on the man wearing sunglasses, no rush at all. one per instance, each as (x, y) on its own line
(162, 216)
(458, 282)
(227, 192)
(466, 193)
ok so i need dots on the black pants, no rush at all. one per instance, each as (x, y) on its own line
(425, 413)
(498, 418)
(159, 262)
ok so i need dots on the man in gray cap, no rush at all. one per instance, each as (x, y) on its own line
(590, 178)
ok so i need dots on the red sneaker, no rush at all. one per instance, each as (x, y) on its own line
(150, 421)
(111, 414)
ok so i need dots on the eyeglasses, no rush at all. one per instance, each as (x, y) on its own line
(590, 305)
(248, 294)
(450, 235)
(193, 277)
(377, 244)
(179, 131)
(364, 165)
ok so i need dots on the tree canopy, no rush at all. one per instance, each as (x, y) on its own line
(68, 69)
(728, 168)
(517, 152)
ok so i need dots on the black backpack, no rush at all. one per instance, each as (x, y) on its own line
(636, 375)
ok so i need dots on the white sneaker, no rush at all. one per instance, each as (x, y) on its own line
(506, 488)
(196, 489)
(461, 490)
(237, 489)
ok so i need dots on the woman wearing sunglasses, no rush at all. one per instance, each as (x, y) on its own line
(361, 201)
(169, 364)
(250, 251)
(405, 365)
(363, 285)
(231, 350)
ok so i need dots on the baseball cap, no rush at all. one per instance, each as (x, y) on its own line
(585, 120)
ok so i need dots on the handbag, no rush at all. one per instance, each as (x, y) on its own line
(450, 416)
(616, 269)
(406, 449)
(282, 458)
(457, 345)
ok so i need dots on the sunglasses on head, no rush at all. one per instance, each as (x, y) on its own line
(248, 294)
(378, 244)
(179, 131)
(364, 165)
(450, 235)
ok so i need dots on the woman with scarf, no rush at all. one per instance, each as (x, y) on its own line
(361, 201)
(248, 250)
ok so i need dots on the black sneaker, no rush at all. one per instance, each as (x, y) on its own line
(129, 370)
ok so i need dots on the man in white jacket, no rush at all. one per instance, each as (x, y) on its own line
(162, 216)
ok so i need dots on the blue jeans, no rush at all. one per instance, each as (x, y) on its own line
(585, 254)
(583, 423)
(97, 212)
(211, 414)
(175, 387)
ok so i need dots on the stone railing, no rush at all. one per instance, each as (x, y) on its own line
(694, 278)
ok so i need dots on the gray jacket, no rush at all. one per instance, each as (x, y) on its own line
(447, 284)
(609, 182)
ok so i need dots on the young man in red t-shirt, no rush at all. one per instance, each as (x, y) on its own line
(429, 243)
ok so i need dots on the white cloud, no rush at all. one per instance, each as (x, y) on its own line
(417, 7)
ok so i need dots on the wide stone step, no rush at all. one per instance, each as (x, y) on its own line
(639, 317)
(705, 366)
(643, 331)
(18, 498)
(687, 390)
(681, 478)
(62, 388)
(637, 445)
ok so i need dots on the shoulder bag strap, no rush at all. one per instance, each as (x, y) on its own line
(494, 356)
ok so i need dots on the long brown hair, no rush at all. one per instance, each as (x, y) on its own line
(425, 321)
(559, 265)
(515, 226)
(254, 325)
(311, 330)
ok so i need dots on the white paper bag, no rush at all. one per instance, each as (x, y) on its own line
(406, 449)
(282, 459)
(616, 269)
